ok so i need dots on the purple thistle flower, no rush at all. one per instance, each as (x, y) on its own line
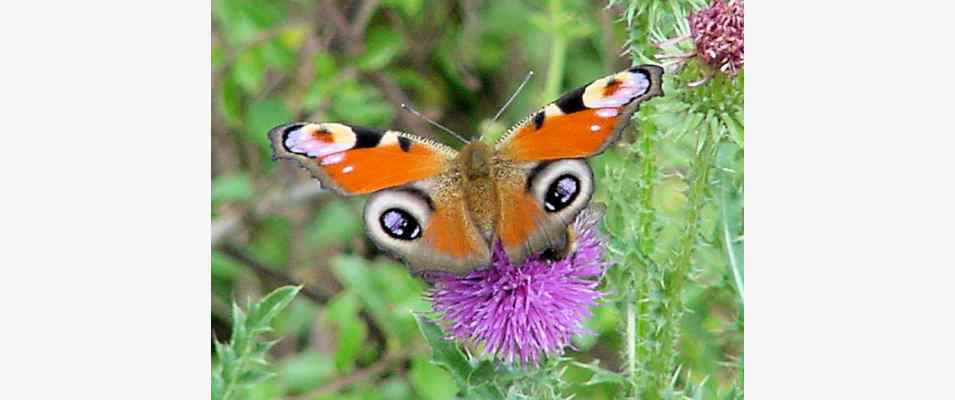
(717, 32)
(518, 312)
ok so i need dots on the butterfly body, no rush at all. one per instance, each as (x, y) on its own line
(443, 209)
(478, 184)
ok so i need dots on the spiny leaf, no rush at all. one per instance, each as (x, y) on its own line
(270, 306)
(484, 373)
(239, 328)
(242, 360)
(444, 352)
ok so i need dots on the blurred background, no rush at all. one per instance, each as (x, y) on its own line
(350, 332)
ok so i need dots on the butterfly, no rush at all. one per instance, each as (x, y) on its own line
(441, 209)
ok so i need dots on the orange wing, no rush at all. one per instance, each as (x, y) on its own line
(584, 121)
(519, 222)
(357, 160)
(454, 243)
(533, 214)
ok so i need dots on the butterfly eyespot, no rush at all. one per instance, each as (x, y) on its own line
(399, 224)
(561, 193)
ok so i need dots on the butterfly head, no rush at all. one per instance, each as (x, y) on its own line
(475, 159)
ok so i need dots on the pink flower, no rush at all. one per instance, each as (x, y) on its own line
(717, 32)
(519, 312)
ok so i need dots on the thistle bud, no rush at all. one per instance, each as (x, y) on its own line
(717, 32)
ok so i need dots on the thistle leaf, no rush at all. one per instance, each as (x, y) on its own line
(444, 353)
(241, 361)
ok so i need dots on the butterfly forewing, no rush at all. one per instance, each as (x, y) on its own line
(357, 160)
(584, 121)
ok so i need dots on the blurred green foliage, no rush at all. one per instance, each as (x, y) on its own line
(674, 191)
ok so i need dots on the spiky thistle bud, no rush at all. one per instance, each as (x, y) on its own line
(717, 32)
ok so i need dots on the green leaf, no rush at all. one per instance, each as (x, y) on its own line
(360, 101)
(294, 36)
(272, 241)
(444, 353)
(253, 377)
(230, 100)
(600, 375)
(335, 225)
(296, 319)
(485, 391)
(218, 386)
(409, 8)
(430, 381)
(343, 312)
(382, 45)
(306, 371)
(239, 330)
(272, 304)
(241, 360)
(237, 187)
(387, 292)
(263, 116)
(325, 66)
(267, 390)
(394, 389)
(483, 374)
(274, 54)
(224, 353)
(224, 267)
(734, 127)
(249, 70)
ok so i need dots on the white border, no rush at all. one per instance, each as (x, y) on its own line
(849, 200)
(105, 210)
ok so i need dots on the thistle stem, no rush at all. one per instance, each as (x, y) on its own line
(677, 271)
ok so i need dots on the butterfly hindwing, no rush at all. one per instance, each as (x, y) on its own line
(584, 121)
(537, 206)
(358, 160)
(427, 224)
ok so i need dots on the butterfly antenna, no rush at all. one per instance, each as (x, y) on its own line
(513, 96)
(442, 127)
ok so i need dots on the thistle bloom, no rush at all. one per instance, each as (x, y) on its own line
(518, 312)
(717, 32)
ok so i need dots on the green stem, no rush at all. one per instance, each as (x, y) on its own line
(558, 51)
(646, 240)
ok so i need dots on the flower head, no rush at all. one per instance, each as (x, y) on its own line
(518, 312)
(717, 32)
